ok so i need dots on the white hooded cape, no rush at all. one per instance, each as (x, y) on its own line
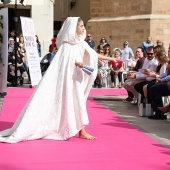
(57, 109)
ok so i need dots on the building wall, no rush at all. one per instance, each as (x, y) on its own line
(119, 20)
(42, 13)
(62, 10)
(119, 8)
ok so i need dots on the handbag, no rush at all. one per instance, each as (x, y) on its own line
(145, 110)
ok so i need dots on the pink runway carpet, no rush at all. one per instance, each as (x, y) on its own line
(119, 146)
(108, 92)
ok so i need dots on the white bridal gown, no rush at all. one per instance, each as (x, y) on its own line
(57, 109)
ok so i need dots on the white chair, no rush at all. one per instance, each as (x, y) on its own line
(165, 100)
(124, 73)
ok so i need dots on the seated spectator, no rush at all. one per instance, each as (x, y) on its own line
(98, 80)
(137, 77)
(103, 43)
(139, 86)
(104, 67)
(116, 69)
(158, 42)
(158, 90)
(107, 51)
(132, 63)
(139, 64)
(145, 86)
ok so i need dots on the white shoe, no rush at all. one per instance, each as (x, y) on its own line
(134, 102)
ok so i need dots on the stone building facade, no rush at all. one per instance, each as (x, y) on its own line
(132, 20)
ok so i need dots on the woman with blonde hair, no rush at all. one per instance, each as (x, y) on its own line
(161, 69)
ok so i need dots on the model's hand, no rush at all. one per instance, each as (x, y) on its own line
(79, 64)
(113, 59)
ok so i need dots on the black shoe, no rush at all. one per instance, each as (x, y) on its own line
(158, 116)
(21, 81)
(99, 86)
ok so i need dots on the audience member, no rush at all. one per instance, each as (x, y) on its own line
(150, 63)
(90, 41)
(127, 52)
(116, 69)
(11, 43)
(98, 80)
(38, 45)
(53, 53)
(147, 43)
(158, 42)
(158, 90)
(103, 43)
(20, 64)
(144, 87)
(139, 65)
(53, 44)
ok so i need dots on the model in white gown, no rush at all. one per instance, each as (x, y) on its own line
(57, 109)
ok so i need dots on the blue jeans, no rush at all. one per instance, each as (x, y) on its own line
(156, 93)
(26, 66)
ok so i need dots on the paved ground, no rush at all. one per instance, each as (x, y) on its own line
(157, 129)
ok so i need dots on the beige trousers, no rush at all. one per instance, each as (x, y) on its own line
(130, 83)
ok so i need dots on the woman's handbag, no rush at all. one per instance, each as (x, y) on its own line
(145, 110)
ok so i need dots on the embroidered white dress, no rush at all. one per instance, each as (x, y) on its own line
(57, 109)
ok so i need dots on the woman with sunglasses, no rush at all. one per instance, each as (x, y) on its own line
(104, 68)
(127, 52)
(103, 43)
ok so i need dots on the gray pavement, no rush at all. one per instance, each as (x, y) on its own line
(157, 129)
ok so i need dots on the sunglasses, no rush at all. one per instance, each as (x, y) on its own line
(89, 36)
(101, 52)
(149, 53)
(125, 44)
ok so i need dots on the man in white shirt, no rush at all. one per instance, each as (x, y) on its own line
(150, 63)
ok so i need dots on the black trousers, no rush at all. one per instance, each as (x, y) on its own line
(139, 88)
(113, 76)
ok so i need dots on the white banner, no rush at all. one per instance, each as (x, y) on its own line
(3, 49)
(31, 50)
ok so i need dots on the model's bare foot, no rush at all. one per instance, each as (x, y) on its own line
(84, 135)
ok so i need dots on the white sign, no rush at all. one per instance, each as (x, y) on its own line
(31, 50)
(3, 49)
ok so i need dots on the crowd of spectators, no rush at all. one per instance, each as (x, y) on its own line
(147, 72)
